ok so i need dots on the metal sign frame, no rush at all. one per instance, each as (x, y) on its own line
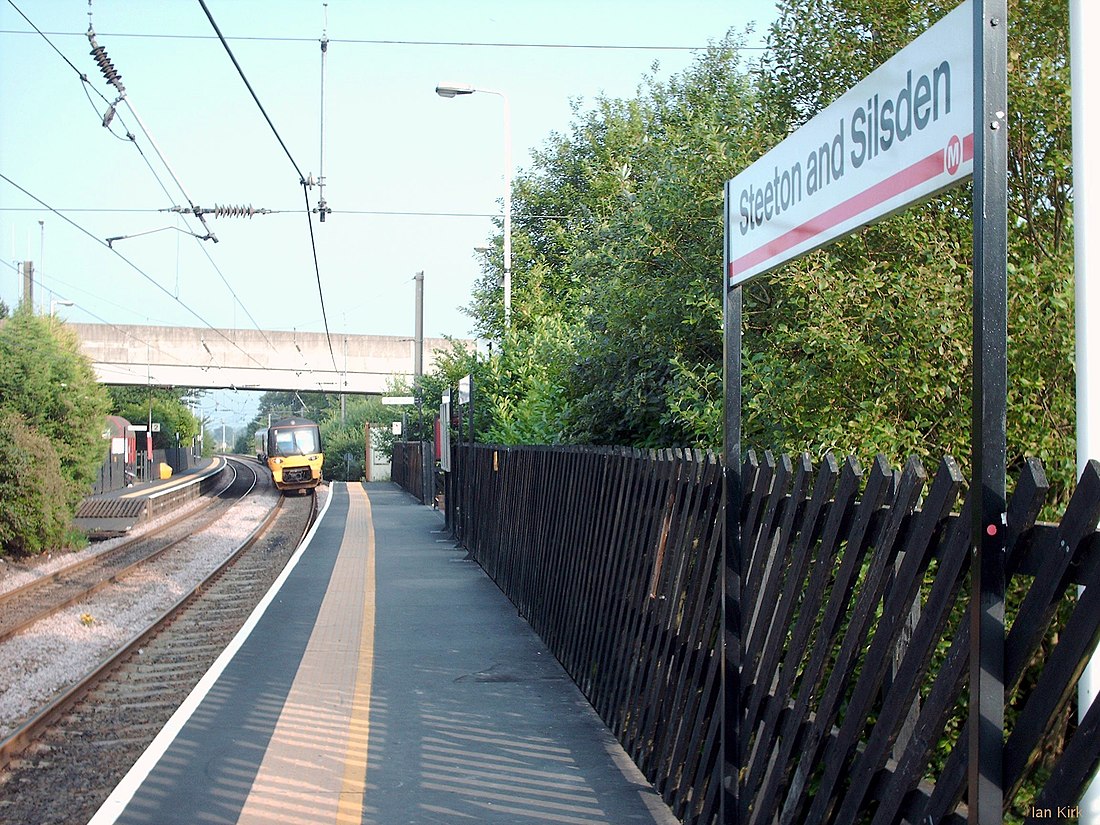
(988, 443)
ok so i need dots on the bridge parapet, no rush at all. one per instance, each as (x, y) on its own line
(251, 359)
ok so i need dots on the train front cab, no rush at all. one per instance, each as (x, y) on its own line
(294, 454)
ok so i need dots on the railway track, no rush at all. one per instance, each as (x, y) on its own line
(64, 760)
(42, 597)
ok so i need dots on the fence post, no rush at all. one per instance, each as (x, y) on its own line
(468, 493)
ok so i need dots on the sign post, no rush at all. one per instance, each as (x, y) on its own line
(926, 120)
(733, 551)
(988, 433)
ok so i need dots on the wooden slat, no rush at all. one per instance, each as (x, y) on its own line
(918, 655)
(764, 801)
(886, 549)
(1023, 509)
(796, 582)
(1076, 769)
(758, 542)
(1039, 605)
(1056, 686)
(895, 610)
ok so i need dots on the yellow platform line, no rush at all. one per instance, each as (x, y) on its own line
(314, 767)
(354, 786)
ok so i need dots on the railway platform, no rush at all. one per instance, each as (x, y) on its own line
(117, 512)
(384, 680)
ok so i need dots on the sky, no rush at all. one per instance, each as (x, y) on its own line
(413, 180)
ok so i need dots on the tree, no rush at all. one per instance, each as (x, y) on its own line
(524, 386)
(344, 441)
(52, 386)
(34, 495)
(617, 231)
(862, 347)
(166, 406)
(450, 365)
(51, 431)
(865, 346)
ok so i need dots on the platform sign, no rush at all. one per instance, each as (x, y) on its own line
(931, 116)
(903, 134)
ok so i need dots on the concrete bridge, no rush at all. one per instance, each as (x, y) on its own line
(251, 359)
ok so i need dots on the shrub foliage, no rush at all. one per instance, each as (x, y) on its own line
(52, 411)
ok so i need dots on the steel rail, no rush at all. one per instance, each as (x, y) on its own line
(53, 607)
(76, 566)
(32, 728)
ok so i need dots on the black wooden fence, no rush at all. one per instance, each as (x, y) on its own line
(855, 637)
(856, 645)
(613, 556)
(413, 466)
(113, 474)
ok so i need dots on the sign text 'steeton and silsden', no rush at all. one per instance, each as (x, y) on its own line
(901, 135)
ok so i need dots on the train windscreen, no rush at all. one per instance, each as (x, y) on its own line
(297, 441)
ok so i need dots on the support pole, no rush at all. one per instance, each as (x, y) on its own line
(1084, 27)
(418, 356)
(28, 285)
(987, 689)
(732, 548)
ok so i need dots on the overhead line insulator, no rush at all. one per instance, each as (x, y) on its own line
(222, 211)
(235, 211)
(105, 65)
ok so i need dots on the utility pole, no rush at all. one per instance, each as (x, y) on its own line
(28, 284)
(418, 356)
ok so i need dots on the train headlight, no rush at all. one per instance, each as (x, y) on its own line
(277, 460)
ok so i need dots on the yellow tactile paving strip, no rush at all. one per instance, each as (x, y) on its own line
(315, 766)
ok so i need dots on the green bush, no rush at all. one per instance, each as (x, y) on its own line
(34, 510)
(50, 383)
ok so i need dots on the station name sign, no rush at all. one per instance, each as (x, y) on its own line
(903, 134)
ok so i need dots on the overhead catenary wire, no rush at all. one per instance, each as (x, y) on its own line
(244, 211)
(115, 79)
(394, 213)
(301, 177)
(107, 117)
(361, 41)
(123, 330)
(133, 266)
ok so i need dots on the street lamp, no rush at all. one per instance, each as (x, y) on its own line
(450, 90)
(55, 303)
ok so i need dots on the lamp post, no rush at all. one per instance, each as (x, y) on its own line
(450, 90)
(55, 303)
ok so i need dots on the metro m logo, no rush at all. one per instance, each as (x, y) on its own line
(953, 155)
